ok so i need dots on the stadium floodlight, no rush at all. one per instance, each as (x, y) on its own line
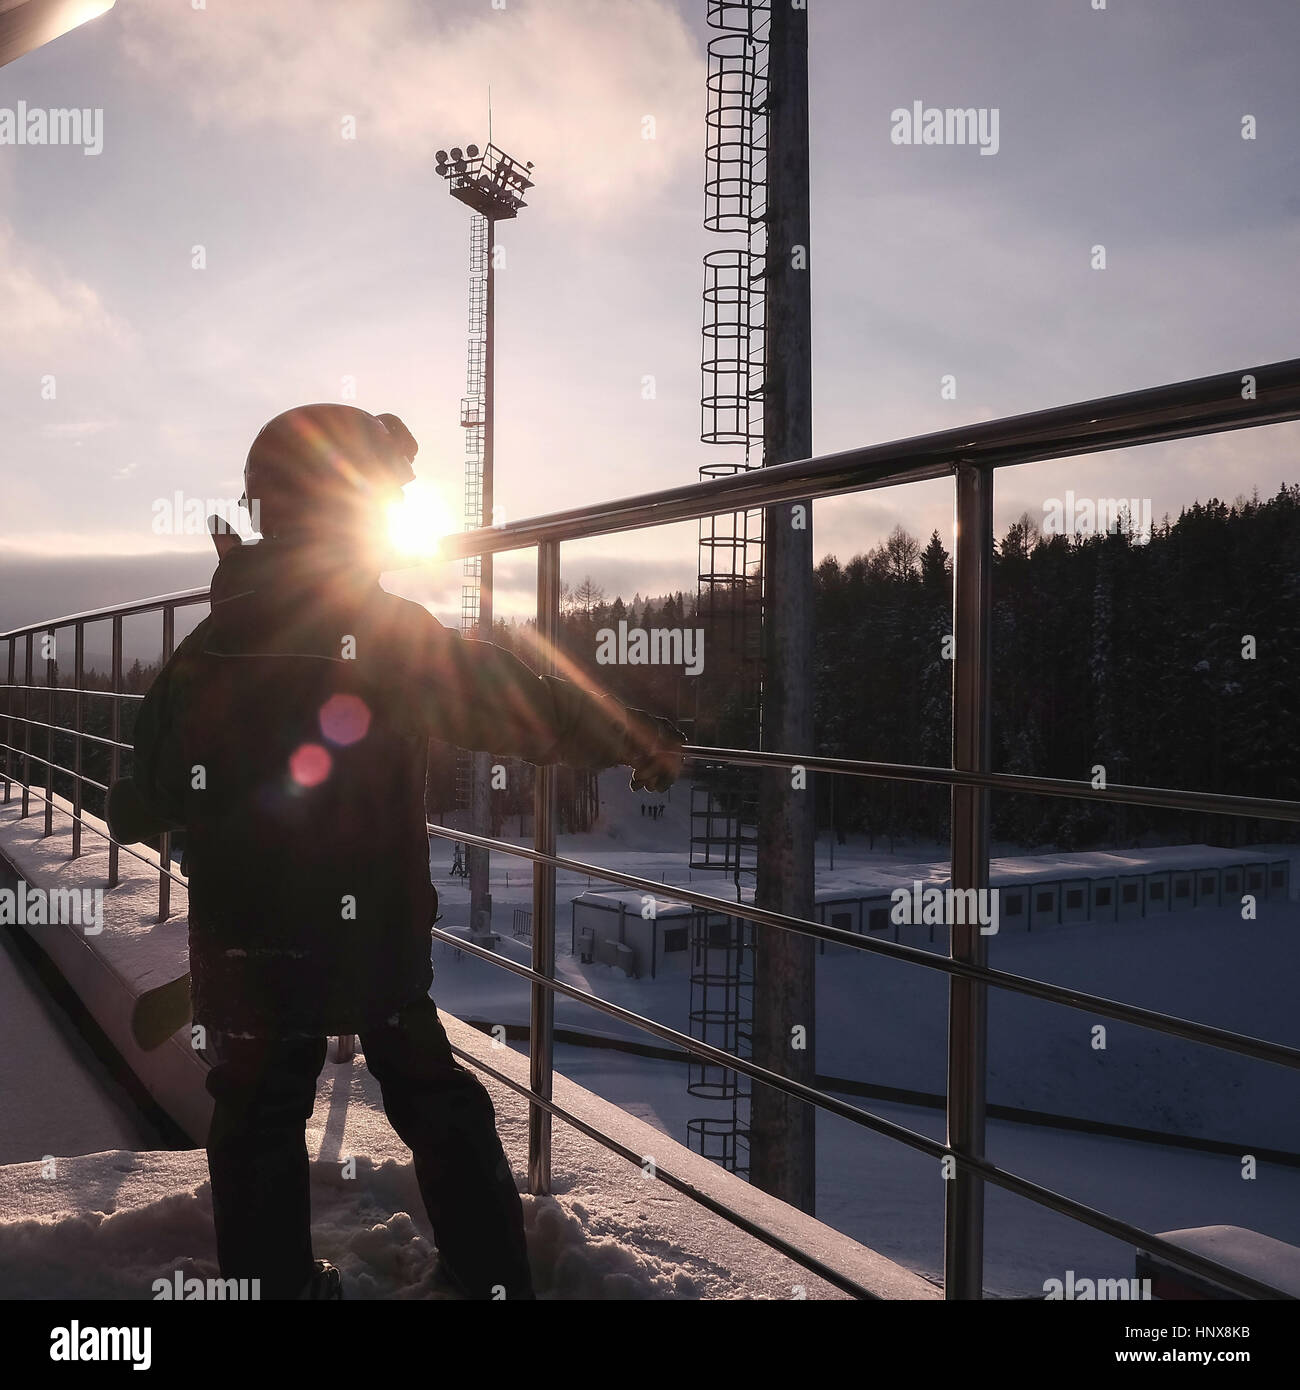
(488, 180)
(27, 24)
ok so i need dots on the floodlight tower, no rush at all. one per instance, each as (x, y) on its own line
(492, 186)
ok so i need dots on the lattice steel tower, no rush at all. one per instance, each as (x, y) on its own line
(724, 800)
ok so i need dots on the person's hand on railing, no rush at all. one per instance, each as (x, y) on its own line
(654, 752)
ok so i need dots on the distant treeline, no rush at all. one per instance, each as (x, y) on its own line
(1169, 662)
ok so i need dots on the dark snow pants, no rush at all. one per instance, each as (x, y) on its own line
(265, 1091)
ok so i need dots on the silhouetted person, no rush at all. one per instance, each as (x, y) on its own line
(288, 736)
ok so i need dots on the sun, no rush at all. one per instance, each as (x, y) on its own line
(418, 522)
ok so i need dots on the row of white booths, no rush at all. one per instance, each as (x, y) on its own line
(1034, 893)
(1039, 892)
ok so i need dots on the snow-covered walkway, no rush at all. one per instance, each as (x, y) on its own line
(58, 1097)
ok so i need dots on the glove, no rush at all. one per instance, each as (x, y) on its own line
(654, 752)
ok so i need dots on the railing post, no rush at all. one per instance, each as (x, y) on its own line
(165, 840)
(9, 720)
(27, 728)
(541, 1036)
(115, 734)
(78, 683)
(51, 677)
(963, 1233)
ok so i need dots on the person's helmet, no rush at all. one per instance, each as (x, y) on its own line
(325, 466)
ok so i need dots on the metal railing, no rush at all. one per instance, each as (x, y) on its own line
(1238, 400)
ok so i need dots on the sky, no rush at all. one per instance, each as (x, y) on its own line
(333, 263)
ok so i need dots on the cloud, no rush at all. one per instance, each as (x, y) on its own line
(36, 586)
(76, 430)
(571, 82)
(45, 309)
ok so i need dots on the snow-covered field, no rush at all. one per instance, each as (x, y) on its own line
(884, 1022)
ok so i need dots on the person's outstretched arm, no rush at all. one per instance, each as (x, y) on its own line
(478, 695)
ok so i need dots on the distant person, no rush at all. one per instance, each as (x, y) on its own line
(288, 737)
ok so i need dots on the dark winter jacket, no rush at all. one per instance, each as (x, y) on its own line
(288, 736)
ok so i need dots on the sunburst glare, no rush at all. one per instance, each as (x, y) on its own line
(419, 521)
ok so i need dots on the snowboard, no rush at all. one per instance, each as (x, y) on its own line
(160, 1012)
(165, 1010)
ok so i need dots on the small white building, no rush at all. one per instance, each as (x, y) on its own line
(638, 934)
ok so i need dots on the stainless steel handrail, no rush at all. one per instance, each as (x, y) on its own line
(78, 733)
(1259, 807)
(179, 599)
(69, 689)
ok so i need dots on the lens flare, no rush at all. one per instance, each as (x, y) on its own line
(418, 522)
(344, 719)
(309, 765)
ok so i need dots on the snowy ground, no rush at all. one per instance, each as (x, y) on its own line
(107, 1225)
(67, 1100)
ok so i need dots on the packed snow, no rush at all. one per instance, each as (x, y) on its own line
(58, 1096)
(109, 1225)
